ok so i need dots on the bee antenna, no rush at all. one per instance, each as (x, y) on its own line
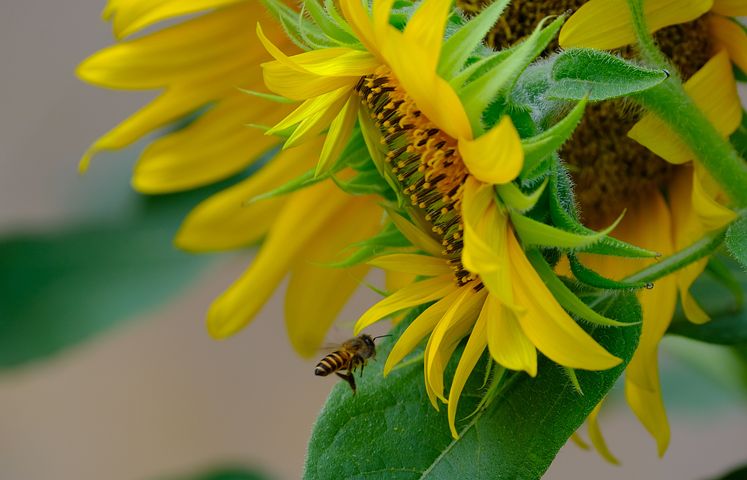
(382, 336)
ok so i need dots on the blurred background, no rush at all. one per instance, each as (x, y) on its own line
(153, 396)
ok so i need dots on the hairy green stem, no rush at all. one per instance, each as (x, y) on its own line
(673, 105)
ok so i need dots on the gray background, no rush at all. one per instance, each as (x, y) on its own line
(158, 396)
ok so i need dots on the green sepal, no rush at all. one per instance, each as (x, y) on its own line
(288, 19)
(537, 233)
(327, 25)
(565, 296)
(560, 187)
(517, 200)
(593, 279)
(267, 96)
(388, 238)
(364, 183)
(736, 241)
(458, 48)
(571, 373)
(540, 146)
(377, 152)
(582, 72)
(477, 95)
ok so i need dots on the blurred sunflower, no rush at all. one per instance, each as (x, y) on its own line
(426, 135)
(210, 61)
(670, 203)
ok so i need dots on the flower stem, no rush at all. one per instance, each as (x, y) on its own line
(673, 105)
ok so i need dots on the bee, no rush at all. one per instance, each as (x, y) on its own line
(352, 354)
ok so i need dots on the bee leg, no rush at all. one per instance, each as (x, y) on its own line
(348, 377)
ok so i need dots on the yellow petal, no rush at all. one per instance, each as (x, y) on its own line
(495, 157)
(652, 230)
(596, 437)
(607, 24)
(508, 344)
(338, 135)
(730, 8)
(135, 15)
(426, 28)
(224, 221)
(648, 406)
(452, 327)
(412, 263)
(187, 158)
(304, 214)
(417, 294)
(433, 95)
(470, 356)
(394, 281)
(418, 329)
(416, 236)
(730, 36)
(358, 19)
(210, 45)
(320, 118)
(714, 92)
(316, 293)
(547, 325)
(381, 12)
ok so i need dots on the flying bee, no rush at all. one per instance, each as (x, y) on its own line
(351, 354)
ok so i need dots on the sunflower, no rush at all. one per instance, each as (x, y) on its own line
(211, 62)
(425, 134)
(671, 201)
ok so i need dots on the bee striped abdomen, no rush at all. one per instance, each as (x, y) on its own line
(333, 362)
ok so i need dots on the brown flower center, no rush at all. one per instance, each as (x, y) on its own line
(610, 170)
(423, 160)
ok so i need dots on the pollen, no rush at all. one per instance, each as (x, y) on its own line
(424, 161)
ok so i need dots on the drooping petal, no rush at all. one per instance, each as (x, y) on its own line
(224, 221)
(454, 325)
(495, 157)
(338, 135)
(304, 214)
(417, 294)
(596, 437)
(730, 8)
(730, 36)
(324, 113)
(359, 20)
(189, 157)
(412, 263)
(470, 356)
(714, 92)
(546, 324)
(648, 406)
(418, 329)
(316, 292)
(508, 344)
(426, 28)
(607, 24)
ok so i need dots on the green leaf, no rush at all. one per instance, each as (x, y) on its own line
(457, 49)
(738, 473)
(388, 430)
(736, 241)
(62, 288)
(581, 72)
(593, 279)
(540, 146)
(222, 473)
(728, 325)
